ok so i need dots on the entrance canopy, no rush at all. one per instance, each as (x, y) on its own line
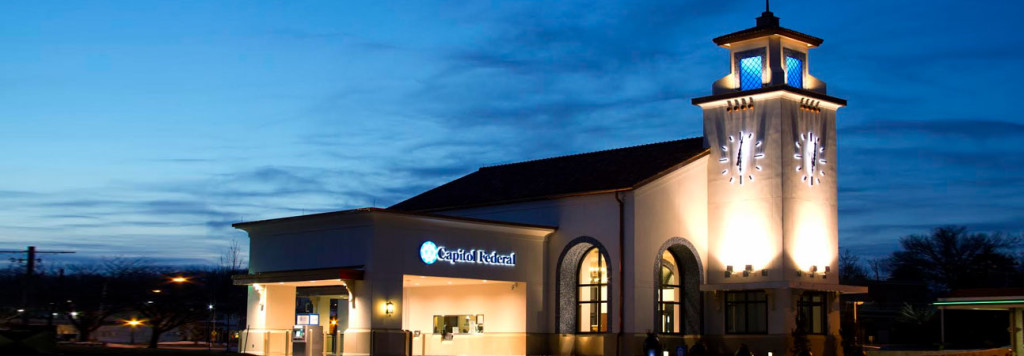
(309, 277)
(983, 299)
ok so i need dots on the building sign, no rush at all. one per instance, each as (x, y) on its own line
(431, 252)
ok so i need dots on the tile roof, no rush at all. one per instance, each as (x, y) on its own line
(767, 25)
(616, 169)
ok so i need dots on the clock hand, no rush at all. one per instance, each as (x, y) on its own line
(739, 155)
(814, 158)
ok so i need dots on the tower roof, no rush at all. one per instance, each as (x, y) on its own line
(767, 25)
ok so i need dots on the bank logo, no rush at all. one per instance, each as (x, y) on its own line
(428, 252)
(431, 252)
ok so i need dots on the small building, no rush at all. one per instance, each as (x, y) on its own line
(1010, 300)
(726, 239)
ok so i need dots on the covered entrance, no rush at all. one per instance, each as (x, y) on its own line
(315, 301)
(1010, 300)
(459, 316)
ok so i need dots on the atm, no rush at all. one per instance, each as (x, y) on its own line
(307, 340)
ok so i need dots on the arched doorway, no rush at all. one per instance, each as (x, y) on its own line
(583, 290)
(678, 308)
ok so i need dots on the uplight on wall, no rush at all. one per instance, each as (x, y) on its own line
(813, 270)
(747, 271)
(814, 242)
(747, 236)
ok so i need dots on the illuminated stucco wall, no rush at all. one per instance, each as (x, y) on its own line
(744, 190)
(809, 190)
(296, 246)
(593, 216)
(671, 208)
(503, 307)
(771, 187)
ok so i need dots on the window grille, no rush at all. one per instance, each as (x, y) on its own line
(750, 72)
(794, 72)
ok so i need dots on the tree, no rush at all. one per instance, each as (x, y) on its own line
(951, 258)
(232, 259)
(169, 304)
(879, 266)
(850, 268)
(96, 292)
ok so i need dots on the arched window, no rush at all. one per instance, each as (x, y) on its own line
(669, 293)
(592, 286)
(678, 304)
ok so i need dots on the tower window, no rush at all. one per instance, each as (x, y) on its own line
(794, 69)
(750, 65)
(750, 73)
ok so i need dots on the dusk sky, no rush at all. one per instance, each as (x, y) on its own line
(146, 128)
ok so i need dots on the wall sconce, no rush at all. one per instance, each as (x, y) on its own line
(747, 270)
(389, 308)
(811, 271)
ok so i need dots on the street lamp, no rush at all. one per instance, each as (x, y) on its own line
(132, 324)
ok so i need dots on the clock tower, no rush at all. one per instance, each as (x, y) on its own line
(771, 173)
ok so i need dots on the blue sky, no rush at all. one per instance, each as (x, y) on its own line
(145, 128)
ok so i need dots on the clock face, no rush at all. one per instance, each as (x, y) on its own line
(740, 155)
(811, 157)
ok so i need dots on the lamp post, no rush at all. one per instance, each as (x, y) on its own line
(213, 328)
(132, 324)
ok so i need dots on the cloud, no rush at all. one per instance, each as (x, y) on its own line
(969, 129)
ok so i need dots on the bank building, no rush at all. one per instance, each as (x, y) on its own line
(725, 239)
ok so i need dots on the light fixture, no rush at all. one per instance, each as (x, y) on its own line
(728, 271)
(389, 308)
(179, 279)
(747, 269)
(810, 271)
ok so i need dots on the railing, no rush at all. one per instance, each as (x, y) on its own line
(266, 342)
(278, 342)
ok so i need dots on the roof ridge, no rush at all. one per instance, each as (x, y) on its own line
(587, 153)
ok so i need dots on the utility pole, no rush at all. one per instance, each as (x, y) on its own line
(30, 271)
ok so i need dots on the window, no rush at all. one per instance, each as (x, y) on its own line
(750, 68)
(746, 312)
(794, 69)
(592, 300)
(670, 289)
(459, 324)
(811, 312)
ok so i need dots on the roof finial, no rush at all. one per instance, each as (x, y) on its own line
(766, 8)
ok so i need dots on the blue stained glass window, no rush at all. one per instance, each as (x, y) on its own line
(794, 72)
(750, 73)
